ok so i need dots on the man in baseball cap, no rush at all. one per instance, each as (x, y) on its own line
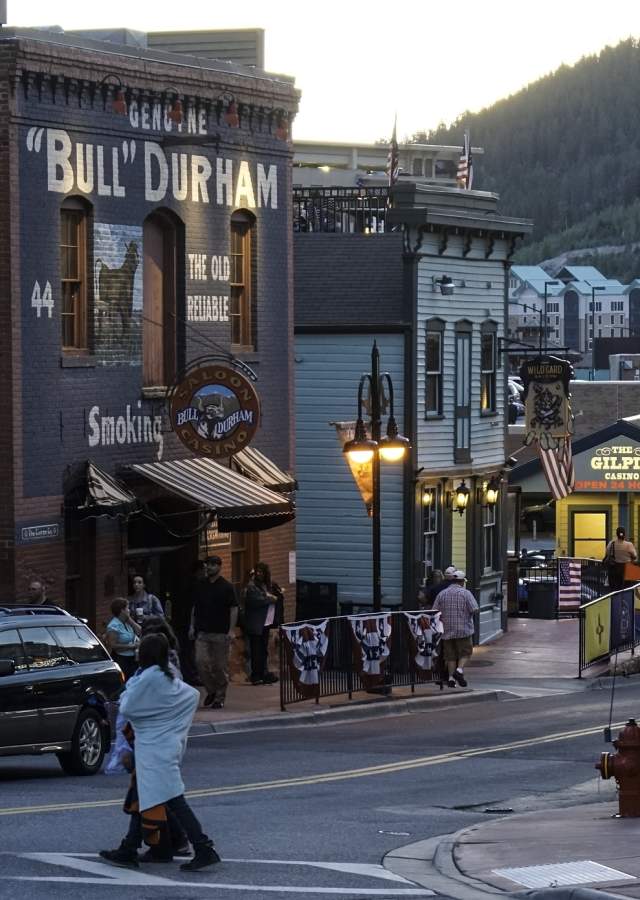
(457, 605)
(450, 572)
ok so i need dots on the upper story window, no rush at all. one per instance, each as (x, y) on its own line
(617, 305)
(488, 366)
(163, 256)
(598, 305)
(462, 410)
(74, 266)
(553, 306)
(243, 281)
(433, 367)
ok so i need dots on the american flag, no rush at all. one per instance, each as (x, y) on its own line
(557, 466)
(465, 165)
(392, 159)
(569, 584)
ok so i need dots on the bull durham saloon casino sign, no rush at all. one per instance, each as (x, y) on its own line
(215, 409)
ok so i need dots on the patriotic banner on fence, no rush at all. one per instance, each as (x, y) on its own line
(306, 652)
(426, 631)
(569, 584)
(371, 644)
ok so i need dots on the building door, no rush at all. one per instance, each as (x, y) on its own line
(589, 532)
(244, 556)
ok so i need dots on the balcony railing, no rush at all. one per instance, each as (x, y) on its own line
(340, 210)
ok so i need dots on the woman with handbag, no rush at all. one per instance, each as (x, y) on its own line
(619, 552)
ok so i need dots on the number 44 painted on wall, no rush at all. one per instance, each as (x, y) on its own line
(44, 300)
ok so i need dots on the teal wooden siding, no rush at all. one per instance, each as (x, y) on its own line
(481, 299)
(333, 531)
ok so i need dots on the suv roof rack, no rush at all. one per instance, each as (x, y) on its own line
(28, 609)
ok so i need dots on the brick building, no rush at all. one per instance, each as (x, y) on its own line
(145, 208)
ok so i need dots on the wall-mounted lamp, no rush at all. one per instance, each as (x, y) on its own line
(461, 497)
(119, 102)
(489, 492)
(428, 495)
(445, 284)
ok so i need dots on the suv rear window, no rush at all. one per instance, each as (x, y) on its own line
(11, 648)
(41, 649)
(79, 643)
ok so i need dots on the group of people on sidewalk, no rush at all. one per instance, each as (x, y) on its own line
(214, 618)
(457, 606)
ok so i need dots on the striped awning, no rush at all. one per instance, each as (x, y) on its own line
(239, 503)
(104, 496)
(258, 467)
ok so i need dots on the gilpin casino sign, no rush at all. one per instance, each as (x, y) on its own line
(614, 467)
(215, 410)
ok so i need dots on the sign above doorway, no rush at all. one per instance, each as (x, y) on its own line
(215, 409)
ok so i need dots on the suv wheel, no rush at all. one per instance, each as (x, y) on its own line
(88, 746)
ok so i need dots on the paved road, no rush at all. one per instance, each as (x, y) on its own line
(305, 812)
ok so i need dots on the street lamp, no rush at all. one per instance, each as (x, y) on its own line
(391, 448)
(534, 309)
(546, 320)
(594, 288)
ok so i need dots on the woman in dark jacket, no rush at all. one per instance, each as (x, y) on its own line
(260, 604)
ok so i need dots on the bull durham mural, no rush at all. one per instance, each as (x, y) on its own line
(91, 401)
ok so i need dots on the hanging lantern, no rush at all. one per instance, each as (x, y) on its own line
(119, 103)
(282, 127)
(176, 113)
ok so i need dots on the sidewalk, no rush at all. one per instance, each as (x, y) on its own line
(576, 851)
(534, 658)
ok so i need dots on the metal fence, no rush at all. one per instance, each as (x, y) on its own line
(559, 587)
(339, 672)
(609, 625)
(341, 210)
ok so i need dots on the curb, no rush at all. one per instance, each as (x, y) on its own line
(367, 709)
(431, 864)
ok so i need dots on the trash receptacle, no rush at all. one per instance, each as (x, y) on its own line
(541, 597)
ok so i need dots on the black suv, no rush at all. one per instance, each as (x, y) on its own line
(56, 679)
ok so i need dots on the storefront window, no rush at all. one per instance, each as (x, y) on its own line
(430, 528)
(589, 530)
(489, 535)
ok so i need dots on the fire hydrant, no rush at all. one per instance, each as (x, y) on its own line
(624, 766)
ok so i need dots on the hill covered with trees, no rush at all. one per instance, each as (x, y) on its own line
(565, 151)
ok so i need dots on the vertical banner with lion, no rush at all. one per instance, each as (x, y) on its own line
(362, 472)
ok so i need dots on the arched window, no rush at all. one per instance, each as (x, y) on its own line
(243, 281)
(163, 250)
(74, 268)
